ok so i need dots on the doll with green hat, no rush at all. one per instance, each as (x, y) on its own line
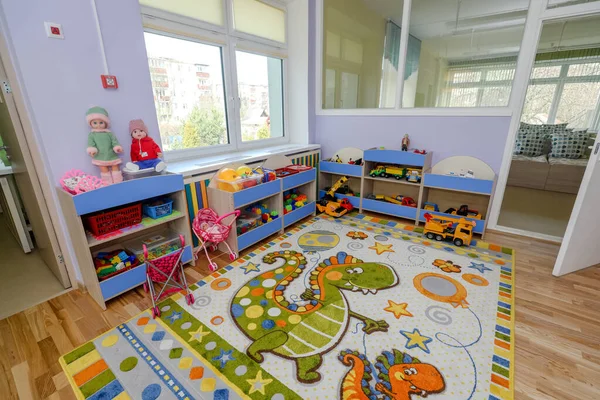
(103, 146)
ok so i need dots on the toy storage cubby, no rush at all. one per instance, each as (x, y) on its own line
(391, 186)
(436, 185)
(330, 172)
(268, 193)
(453, 191)
(77, 207)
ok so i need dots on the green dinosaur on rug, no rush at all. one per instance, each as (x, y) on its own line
(305, 332)
(400, 376)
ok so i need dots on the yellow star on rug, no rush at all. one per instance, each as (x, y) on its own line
(415, 339)
(382, 248)
(251, 267)
(258, 384)
(198, 334)
(398, 309)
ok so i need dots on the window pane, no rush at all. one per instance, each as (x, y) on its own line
(187, 80)
(260, 88)
(260, 19)
(204, 10)
(361, 52)
(578, 104)
(584, 69)
(538, 102)
(466, 34)
(546, 72)
(495, 96)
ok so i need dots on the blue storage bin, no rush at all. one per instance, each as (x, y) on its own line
(390, 208)
(159, 211)
(340, 169)
(449, 182)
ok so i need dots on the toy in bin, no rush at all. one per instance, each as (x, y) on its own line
(210, 229)
(168, 271)
(111, 263)
(292, 200)
(158, 208)
(244, 177)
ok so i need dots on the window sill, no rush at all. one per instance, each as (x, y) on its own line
(201, 165)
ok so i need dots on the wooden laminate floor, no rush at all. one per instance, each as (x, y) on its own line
(557, 330)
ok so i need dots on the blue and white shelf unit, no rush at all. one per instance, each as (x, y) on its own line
(444, 190)
(453, 191)
(270, 194)
(75, 208)
(390, 186)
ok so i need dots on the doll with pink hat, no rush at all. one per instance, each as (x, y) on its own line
(145, 153)
(103, 146)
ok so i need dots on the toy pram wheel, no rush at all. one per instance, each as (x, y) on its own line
(155, 312)
(212, 247)
(189, 299)
(233, 256)
(213, 266)
(145, 287)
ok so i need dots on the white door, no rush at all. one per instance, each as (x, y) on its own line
(28, 185)
(580, 247)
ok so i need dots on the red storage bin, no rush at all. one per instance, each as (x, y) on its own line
(109, 221)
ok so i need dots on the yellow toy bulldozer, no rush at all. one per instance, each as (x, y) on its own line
(442, 228)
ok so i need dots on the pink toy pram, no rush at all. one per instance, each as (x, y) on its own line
(210, 230)
(168, 271)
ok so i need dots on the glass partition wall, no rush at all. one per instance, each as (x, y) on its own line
(559, 122)
(459, 53)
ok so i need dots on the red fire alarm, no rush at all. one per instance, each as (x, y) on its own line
(109, 81)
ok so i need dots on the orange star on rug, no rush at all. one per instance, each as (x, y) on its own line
(398, 309)
(447, 266)
(382, 248)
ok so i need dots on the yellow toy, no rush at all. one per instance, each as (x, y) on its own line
(226, 179)
(331, 192)
(442, 228)
(385, 171)
(244, 171)
(331, 208)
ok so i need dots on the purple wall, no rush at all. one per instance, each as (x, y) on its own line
(480, 137)
(62, 77)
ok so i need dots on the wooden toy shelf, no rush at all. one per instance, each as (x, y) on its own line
(270, 194)
(75, 208)
(444, 190)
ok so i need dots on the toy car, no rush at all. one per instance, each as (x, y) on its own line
(414, 176)
(457, 230)
(384, 171)
(346, 204)
(409, 202)
(430, 207)
(466, 212)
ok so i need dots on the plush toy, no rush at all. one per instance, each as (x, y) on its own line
(103, 146)
(145, 153)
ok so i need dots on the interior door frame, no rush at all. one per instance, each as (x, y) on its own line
(538, 15)
(35, 158)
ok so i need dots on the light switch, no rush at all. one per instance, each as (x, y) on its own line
(54, 30)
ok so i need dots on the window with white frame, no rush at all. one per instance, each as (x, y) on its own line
(222, 87)
(564, 87)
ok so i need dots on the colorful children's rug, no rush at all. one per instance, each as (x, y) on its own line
(354, 308)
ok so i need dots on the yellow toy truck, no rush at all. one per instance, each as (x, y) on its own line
(384, 171)
(442, 228)
(333, 208)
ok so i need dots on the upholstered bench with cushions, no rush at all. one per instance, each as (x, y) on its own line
(550, 157)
